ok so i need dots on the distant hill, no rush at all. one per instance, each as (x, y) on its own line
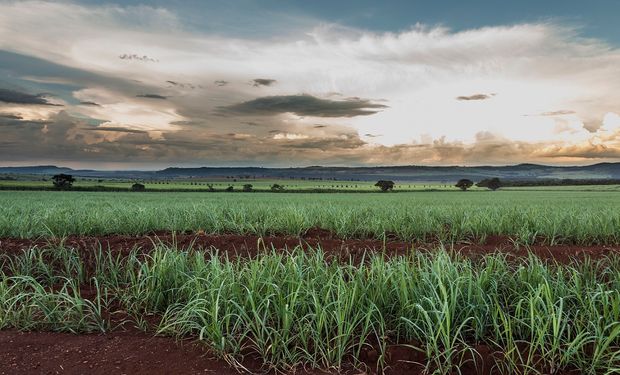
(396, 173)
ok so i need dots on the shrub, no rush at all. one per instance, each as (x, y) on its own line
(63, 181)
(464, 184)
(385, 185)
(490, 183)
(276, 187)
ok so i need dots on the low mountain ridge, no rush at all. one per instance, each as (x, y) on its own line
(398, 173)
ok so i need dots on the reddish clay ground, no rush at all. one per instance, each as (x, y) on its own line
(135, 352)
(250, 245)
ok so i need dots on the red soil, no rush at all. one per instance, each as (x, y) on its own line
(251, 245)
(135, 352)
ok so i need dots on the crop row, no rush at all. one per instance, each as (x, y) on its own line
(299, 309)
(554, 216)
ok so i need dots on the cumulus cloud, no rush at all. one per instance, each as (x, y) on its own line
(566, 84)
(305, 105)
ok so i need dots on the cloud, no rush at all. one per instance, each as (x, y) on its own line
(10, 116)
(182, 85)
(152, 96)
(90, 103)
(114, 129)
(263, 82)
(137, 58)
(475, 97)
(305, 105)
(73, 53)
(562, 112)
(16, 97)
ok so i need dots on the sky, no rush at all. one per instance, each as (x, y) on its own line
(137, 84)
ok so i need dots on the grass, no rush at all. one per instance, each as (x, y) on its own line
(299, 309)
(222, 183)
(584, 217)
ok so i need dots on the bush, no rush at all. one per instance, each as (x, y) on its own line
(276, 187)
(464, 184)
(63, 181)
(490, 183)
(138, 187)
(385, 185)
(247, 187)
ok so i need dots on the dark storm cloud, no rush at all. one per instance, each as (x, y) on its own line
(16, 97)
(90, 104)
(372, 135)
(263, 82)
(137, 58)
(220, 83)
(475, 97)
(320, 126)
(152, 96)
(117, 129)
(304, 105)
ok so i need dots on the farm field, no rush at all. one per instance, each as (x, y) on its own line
(481, 282)
(237, 184)
(420, 313)
(590, 217)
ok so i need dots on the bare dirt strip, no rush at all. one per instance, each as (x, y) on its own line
(136, 352)
(130, 351)
(235, 245)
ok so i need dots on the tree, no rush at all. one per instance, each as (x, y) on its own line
(490, 183)
(230, 188)
(247, 187)
(385, 185)
(276, 187)
(63, 181)
(138, 187)
(210, 186)
(464, 184)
